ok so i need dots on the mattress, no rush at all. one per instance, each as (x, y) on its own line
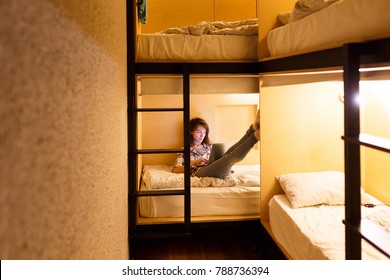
(343, 22)
(239, 194)
(315, 233)
(221, 201)
(182, 47)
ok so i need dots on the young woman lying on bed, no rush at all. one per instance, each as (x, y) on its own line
(201, 147)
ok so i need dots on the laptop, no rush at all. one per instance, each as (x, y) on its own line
(218, 150)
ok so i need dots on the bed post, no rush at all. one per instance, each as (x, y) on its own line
(131, 117)
(187, 144)
(351, 65)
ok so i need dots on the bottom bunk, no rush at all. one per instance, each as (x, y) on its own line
(318, 232)
(308, 111)
(235, 198)
(218, 99)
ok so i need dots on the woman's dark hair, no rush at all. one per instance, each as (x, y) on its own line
(194, 122)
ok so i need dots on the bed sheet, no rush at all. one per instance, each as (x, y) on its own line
(161, 177)
(343, 22)
(314, 232)
(218, 199)
(182, 47)
(224, 201)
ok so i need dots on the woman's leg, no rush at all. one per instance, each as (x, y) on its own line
(221, 167)
(253, 128)
(246, 135)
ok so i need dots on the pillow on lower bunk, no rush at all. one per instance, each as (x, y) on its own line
(315, 188)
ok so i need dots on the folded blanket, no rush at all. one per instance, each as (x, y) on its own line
(161, 177)
(247, 27)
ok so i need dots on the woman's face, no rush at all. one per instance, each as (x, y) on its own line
(198, 134)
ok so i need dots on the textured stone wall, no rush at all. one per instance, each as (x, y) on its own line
(63, 130)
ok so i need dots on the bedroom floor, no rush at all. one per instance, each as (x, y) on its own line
(247, 241)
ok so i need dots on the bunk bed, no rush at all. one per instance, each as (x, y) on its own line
(237, 195)
(205, 41)
(322, 26)
(327, 52)
(342, 56)
(180, 59)
(307, 220)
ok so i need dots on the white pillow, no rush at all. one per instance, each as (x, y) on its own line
(314, 188)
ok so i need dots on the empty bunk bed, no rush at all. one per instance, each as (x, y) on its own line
(324, 191)
(166, 70)
(204, 41)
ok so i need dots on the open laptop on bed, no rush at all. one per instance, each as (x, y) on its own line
(218, 150)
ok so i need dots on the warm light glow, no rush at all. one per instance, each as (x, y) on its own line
(380, 87)
(360, 99)
(368, 69)
(331, 71)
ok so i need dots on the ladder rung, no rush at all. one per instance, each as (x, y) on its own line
(159, 109)
(371, 141)
(158, 151)
(160, 192)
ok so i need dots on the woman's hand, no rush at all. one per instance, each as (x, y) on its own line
(199, 161)
(180, 169)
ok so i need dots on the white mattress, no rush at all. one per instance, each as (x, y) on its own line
(238, 194)
(343, 22)
(161, 177)
(314, 232)
(181, 47)
(220, 201)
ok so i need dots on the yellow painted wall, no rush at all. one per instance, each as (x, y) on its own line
(231, 10)
(63, 132)
(301, 128)
(268, 11)
(375, 118)
(164, 130)
(175, 13)
(170, 13)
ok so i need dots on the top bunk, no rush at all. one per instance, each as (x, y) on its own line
(311, 36)
(325, 24)
(205, 41)
(197, 31)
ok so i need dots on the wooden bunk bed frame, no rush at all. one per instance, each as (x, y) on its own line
(168, 227)
(350, 57)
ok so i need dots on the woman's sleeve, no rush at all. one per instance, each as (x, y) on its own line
(179, 160)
